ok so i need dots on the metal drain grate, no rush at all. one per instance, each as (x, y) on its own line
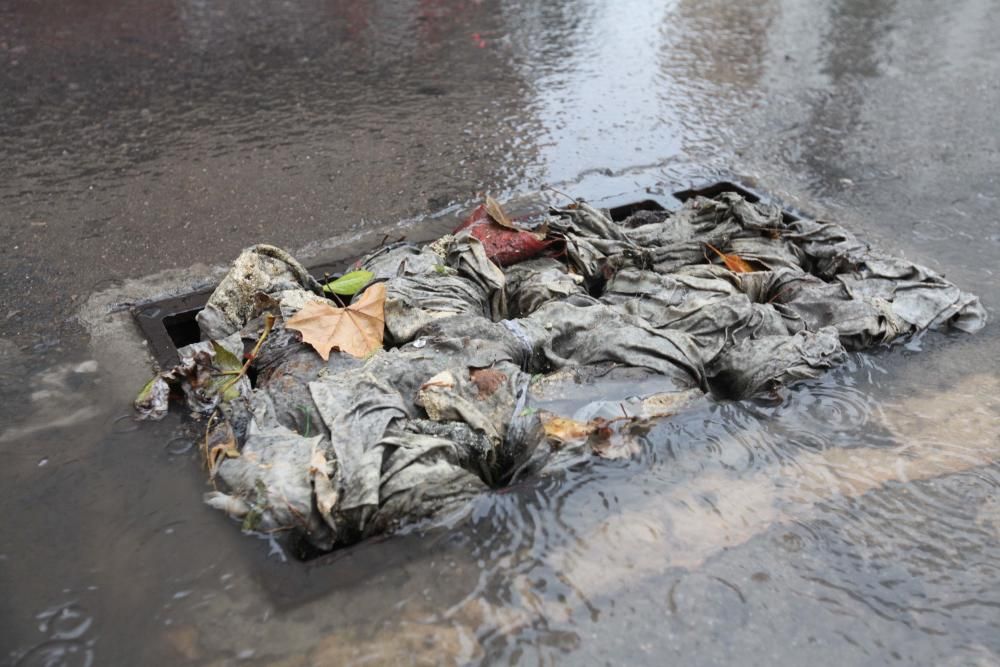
(169, 324)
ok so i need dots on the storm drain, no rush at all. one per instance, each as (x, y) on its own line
(169, 324)
(498, 350)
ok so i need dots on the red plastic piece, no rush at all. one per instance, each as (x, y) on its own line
(504, 246)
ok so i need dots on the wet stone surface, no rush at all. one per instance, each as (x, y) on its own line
(852, 521)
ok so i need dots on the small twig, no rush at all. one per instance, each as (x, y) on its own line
(559, 192)
(780, 292)
(207, 453)
(208, 431)
(268, 323)
(717, 251)
(291, 508)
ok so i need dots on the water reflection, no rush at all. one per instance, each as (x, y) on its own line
(711, 57)
(847, 503)
(854, 49)
(595, 92)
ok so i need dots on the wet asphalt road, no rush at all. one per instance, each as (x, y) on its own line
(139, 136)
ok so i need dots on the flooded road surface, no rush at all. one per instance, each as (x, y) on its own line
(854, 521)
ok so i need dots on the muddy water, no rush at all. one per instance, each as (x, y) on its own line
(851, 520)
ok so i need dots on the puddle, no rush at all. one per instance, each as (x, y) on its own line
(855, 520)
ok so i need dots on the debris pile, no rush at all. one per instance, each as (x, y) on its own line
(430, 374)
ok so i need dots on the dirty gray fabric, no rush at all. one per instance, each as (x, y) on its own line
(272, 470)
(767, 362)
(483, 367)
(259, 269)
(537, 281)
(452, 277)
(196, 377)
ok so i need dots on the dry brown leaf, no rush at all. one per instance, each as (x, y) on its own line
(443, 380)
(496, 212)
(734, 263)
(563, 429)
(487, 381)
(220, 444)
(604, 440)
(356, 330)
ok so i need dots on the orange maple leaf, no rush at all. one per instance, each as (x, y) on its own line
(734, 263)
(356, 330)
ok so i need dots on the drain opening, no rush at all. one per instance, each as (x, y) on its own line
(620, 213)
(716, 189)
(183, 328)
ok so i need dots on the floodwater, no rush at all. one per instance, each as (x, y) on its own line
(854, 521)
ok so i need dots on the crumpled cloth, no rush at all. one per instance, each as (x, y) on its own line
(480, 362)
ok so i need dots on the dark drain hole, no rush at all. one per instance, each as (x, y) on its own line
(183, 328)
(716, 189)
(620, 213)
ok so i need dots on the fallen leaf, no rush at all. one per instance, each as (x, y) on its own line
(151, 403)
(224, 360)
(602, 435)
(349, 284)
(228, 364)
(496, 212)
(734, 263)
(444, 380)
(563, 429)
(609, 443)
(320, 471)
(487, 381)
(220, 444)
(356, 330)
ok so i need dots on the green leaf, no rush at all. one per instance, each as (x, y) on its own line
(228, 363)
(349, 284)
(146, 392)
(258, 506)
(225, 360)
(252, 520)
